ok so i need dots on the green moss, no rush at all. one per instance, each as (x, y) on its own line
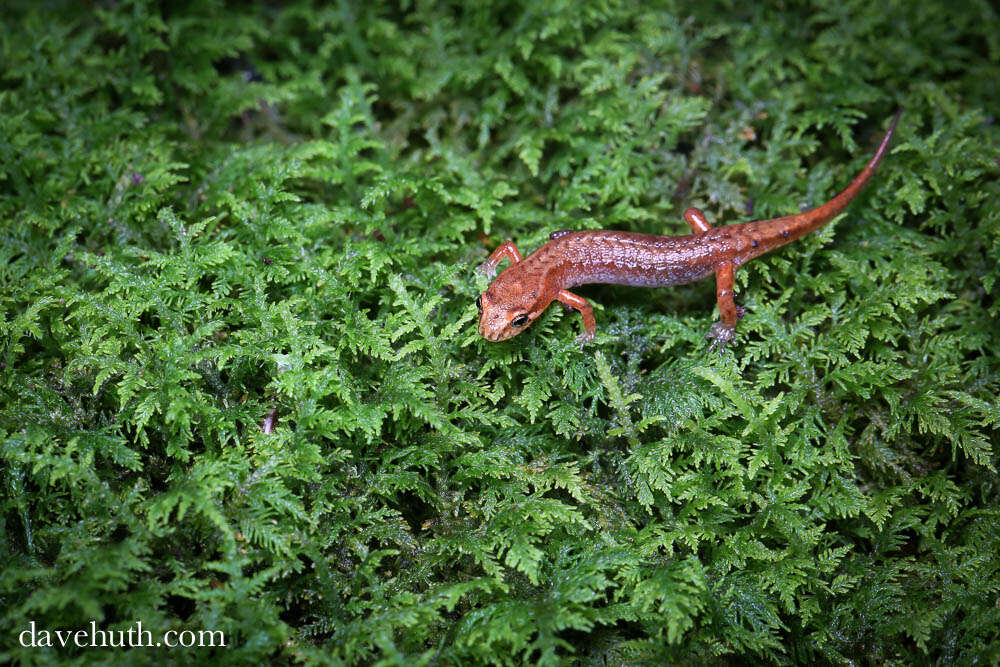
(209, 212)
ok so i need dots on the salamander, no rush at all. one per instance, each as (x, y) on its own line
(570, 258)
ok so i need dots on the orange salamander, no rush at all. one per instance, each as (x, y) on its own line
(526, 287)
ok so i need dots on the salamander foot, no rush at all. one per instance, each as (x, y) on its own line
(721, 335)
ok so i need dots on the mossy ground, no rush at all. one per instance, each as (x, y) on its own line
(211, 211)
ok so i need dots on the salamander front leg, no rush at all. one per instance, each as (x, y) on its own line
(724, 330)
(696, 219)
(507, 250)
(580, 304)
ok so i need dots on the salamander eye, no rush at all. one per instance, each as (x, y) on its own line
(519, 321)
(479, 303)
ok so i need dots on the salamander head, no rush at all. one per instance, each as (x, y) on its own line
(507, 308)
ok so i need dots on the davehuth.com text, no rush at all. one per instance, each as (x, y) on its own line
(134, 637)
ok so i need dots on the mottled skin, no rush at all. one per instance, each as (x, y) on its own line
(526, 288)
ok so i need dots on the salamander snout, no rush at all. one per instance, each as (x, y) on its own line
(499, 321)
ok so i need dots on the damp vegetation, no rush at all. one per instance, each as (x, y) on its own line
(241, 387)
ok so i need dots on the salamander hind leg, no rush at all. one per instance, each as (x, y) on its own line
(724, 331)
(586, 312)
